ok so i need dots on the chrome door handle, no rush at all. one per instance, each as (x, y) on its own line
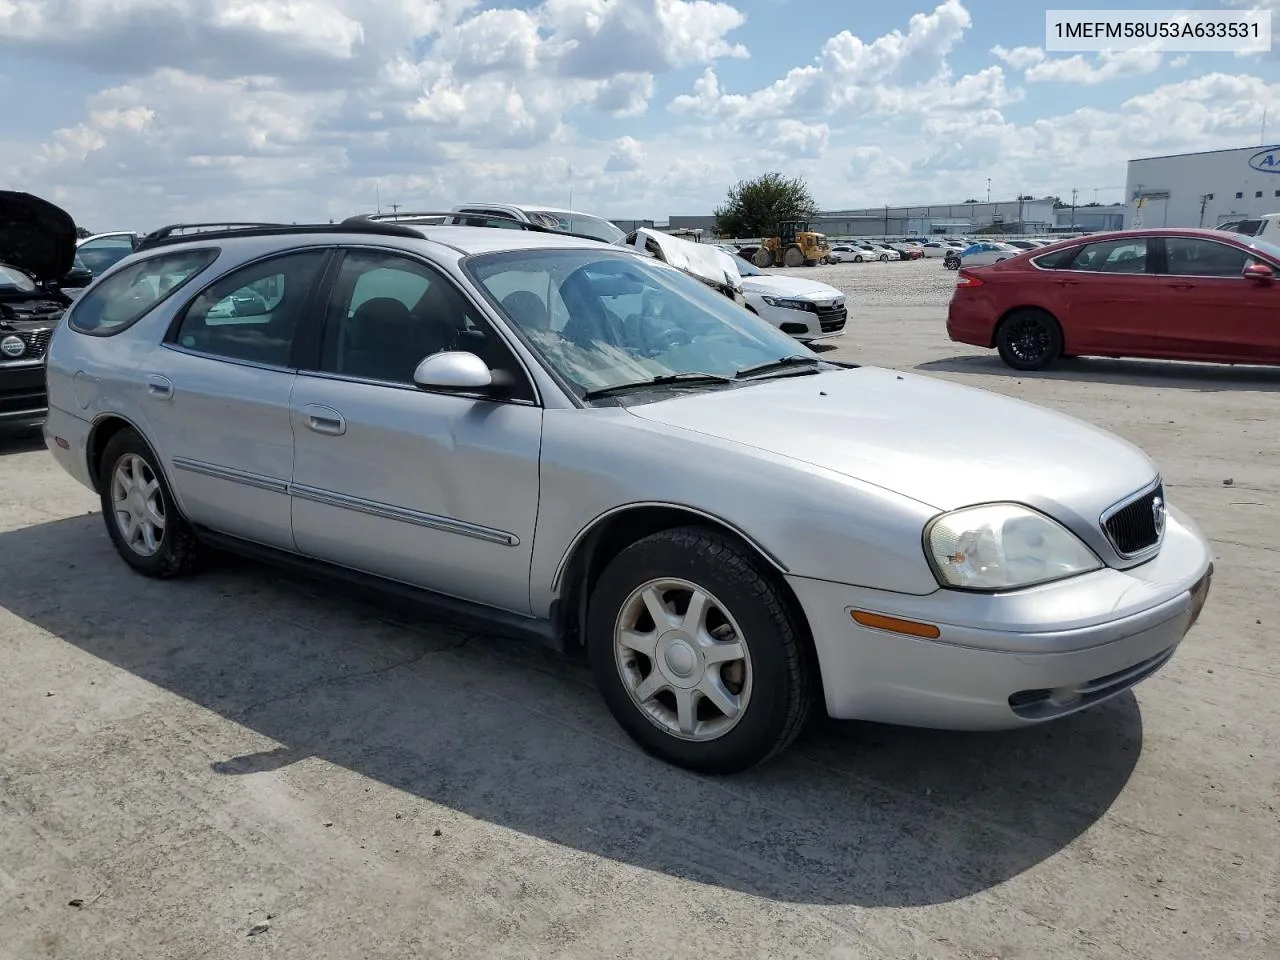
(159, 387)
(324, 420)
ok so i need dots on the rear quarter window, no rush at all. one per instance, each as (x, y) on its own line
(1057, 260)
(122, 298)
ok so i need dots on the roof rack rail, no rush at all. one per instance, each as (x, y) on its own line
(218, 231)
(467, 219)
(400, 216)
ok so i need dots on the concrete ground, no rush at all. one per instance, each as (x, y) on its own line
(246, 764)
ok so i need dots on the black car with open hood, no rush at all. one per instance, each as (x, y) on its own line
(37, 250)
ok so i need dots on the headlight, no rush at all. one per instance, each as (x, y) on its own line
(788, 304)
(1001, 546)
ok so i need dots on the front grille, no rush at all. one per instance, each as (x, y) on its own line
(832, 318)
(37, 342)
(1138, 524)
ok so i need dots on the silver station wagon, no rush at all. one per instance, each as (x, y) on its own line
(587, 444)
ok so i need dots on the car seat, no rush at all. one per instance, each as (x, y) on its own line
(527, 310)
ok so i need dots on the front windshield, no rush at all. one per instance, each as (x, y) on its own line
(14, 279)
(578, 223)
(605, 318)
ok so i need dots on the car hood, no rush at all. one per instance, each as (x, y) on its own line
(36, 235)
(703, 260)
(779, 286)
(936, 442)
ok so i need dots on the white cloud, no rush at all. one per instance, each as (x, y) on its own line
(297, 109)
(1105, 66)
(1020, 58)
(627, 154)
(894, 75)
(1038, 67)
(796, 139)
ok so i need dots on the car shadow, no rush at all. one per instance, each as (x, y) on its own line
(1178, 374)
(20, 440)
(507, 732)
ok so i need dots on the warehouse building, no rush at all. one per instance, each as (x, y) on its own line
(1203, 189)
(1024, 216)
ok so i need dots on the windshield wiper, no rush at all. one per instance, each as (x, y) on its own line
(657, 381)
(781, 364)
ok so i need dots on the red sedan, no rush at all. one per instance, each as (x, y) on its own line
(1164, 294)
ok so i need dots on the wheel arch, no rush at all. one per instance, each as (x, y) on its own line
(611, 532)
(100, 434)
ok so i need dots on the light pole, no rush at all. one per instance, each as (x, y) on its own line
(1074, 191)
(988, 189)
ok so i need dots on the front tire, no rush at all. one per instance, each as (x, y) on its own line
(697, 653)
(793, 257)
(763, 258)
(138, 507)
(1029, 340)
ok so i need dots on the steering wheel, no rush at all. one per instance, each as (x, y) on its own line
(673, 336)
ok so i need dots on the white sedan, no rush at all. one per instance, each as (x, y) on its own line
(806, 309)
(937, 248)
(857, 253)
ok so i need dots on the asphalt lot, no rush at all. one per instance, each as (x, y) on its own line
(182, 761)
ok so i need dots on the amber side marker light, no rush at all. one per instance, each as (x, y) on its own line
(911, 628)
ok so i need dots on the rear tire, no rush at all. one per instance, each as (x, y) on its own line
(793, 257)
(1029, 339)
(142, 519)
(745, 646)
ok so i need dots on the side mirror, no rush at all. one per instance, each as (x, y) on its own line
(453, 370)
(76, 277)
(1260, 272)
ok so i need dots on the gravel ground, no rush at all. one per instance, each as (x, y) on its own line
(915, 283)
(250, 764)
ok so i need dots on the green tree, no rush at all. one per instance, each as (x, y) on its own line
(754, 208)
(81, 233)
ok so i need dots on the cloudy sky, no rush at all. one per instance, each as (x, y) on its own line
(131, 113)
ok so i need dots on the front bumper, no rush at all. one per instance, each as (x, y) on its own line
(23, 398)
(805, 325)
(1010, 660)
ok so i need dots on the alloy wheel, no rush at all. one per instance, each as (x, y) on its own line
(683, 659)
(138, 505)
(1028, 339)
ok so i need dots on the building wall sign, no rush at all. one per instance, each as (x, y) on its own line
(1266, 161)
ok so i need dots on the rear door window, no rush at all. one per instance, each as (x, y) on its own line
(1110, 256)
(253, 314)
